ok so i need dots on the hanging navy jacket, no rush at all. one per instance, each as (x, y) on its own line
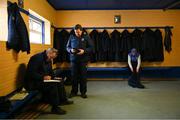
(18, 38)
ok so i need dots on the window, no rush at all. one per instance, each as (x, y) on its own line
(39, 29)
(36, 31)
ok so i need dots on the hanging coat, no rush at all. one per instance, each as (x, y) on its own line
(18, 38)
(167, 39)
(126, 41)
(148, 45)
(137, 39)
(94, 35)
(115, 46)
(64, 36)
(60, 41)
(104, 46)
(158, 52)
(56, 44)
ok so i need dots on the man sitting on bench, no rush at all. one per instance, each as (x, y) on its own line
(39, 69)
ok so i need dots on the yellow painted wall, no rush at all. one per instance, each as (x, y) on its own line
(10, 61)
(104, 18)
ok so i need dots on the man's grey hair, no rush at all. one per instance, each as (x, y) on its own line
(52, 50)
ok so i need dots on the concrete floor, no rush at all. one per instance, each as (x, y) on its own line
(116, 100)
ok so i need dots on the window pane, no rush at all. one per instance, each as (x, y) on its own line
(35, 31)
(35, 38)
(37, 26)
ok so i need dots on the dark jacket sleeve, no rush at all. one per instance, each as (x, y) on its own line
(51, 71)
(68, 46)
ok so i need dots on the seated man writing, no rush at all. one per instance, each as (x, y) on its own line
(39, 69)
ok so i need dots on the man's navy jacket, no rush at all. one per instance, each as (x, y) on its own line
(84, 43)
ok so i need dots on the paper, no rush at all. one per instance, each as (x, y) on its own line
(19, 96)
(52, 80)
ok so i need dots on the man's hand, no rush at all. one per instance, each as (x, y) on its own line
(47, 77)
(81, 51)
(73, 50)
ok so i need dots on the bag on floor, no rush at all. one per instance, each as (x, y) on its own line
(5, 104)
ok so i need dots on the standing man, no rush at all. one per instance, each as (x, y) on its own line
(39, 68)
(79, 45)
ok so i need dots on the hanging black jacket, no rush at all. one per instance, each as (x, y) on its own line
(126, 41)
(137, 39)
(94, 35)
(60, 41)
(57, 45)
(104, 42)
(148, 45)
(158, 52)
(115, 45)
(167, 39)
(18, 38)
(64, 36)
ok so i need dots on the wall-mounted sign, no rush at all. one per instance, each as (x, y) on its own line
(117, 19)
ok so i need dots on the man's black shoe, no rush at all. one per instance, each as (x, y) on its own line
(67, 102)
(72, 95)
(141, 86)
(133, 86)
(58, 110)
(83, 95)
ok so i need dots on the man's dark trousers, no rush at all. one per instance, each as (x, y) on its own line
(79, 73)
